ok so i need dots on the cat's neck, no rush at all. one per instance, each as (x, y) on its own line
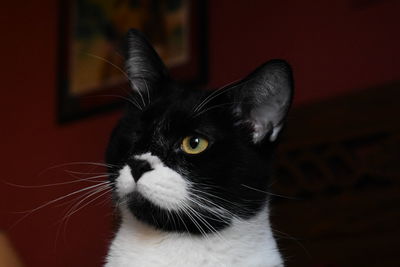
(247, 243)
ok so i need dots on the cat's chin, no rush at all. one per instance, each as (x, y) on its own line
(188, 221)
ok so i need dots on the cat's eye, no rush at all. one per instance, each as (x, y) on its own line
(194, 144)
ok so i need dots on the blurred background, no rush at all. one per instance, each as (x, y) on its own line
(337, 165)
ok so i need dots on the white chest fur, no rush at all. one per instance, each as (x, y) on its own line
(244, 244)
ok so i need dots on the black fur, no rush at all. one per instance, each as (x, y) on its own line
(162, 113)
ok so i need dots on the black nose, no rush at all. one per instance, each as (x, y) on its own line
(138, 167)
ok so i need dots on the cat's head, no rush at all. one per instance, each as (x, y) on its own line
(191, 160)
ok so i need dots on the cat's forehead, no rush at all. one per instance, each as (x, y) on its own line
(181, 112)
(182, 105)
(186, 99)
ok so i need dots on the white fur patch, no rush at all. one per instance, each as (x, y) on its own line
(247, 243)
(125, 183)
(163, 186)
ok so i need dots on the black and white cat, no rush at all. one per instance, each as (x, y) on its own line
(192, 167)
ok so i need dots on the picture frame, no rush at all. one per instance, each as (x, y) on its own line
(91, 72)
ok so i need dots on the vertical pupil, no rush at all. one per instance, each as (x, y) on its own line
(194, 142)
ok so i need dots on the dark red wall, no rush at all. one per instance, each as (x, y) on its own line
(334, 46)
(346, 45)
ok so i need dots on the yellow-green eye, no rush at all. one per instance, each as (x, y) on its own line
(194, 144)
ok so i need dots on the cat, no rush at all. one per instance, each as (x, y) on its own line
(191, 168)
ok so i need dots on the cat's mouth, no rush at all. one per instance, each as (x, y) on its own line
(161, 197)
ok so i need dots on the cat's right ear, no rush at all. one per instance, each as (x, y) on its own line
(144, 66)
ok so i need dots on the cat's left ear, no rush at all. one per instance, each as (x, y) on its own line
(263, 99)
(144, 66)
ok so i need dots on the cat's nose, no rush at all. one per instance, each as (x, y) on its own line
(138, 168)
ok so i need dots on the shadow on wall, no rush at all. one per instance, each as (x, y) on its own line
(339, 163)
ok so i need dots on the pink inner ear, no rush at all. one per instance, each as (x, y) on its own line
(266, 118)
(264, 98)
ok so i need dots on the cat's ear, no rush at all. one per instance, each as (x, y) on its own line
(144, 66)
(263, 99)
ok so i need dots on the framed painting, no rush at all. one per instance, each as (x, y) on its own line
(92, 38)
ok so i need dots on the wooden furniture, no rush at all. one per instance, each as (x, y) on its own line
(339, 166)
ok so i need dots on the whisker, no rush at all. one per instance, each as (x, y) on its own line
(198, 107)
(130, 100)
(220, 216)
(183, 222)
(125, 75)
(217, 93)
(205, 223)
(56, 184)
(214, 107)
(216, 209)
(29, 212)
(74, 208)
(297, 241)
(205, 101)
(140, 93)
(112, 64)
(105, 190)
(147, 89)
(193, 220)
(76, 198)
(215, 196)
(78, 163)
(269, 193)
(88, 173)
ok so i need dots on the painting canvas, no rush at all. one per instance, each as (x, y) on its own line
(92, 75)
